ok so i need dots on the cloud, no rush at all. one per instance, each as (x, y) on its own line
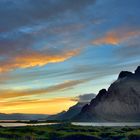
(116, 36)
(86, 97)
(32, 75)
(8, 94)
(36, 101)
(33, 11)
(52, 106)
(32, 59)
(46, 106)
(130, 50)
(29, 26)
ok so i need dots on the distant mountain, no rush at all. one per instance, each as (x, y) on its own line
(74, 110)
(18, 116)
(121, 102)
(67, 115)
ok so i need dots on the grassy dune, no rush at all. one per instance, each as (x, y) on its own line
(69, 132)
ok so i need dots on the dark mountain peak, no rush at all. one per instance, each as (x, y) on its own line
(125, 74)
(137, 71)
(102, 93)
(121, 102)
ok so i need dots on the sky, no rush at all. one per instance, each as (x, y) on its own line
(54, 51)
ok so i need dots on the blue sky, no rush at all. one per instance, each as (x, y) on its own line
(59, 49)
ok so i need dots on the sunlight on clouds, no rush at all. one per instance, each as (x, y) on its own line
(33, 59)
(59, 48)
(110, 38)
(115, 37)
(50, 106)
(11, 93)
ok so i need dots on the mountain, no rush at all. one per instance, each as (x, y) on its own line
(18, 116)
(121, 102)
(67, 115)
(74, 110)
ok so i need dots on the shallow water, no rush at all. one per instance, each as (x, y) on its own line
(106, 124)
(23, 124)
(109, 124)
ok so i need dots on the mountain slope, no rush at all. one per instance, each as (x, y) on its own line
(74, 110)
(66, 115)
(121, 102)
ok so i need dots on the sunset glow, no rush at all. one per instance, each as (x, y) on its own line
(53, 51)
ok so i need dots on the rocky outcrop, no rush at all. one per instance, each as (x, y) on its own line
(124, 74)
(121, 102)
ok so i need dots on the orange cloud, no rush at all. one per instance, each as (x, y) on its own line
(9, 94)
(115, 37)
(48, 106)
(109, 38)
(32, 59)
(13, 101)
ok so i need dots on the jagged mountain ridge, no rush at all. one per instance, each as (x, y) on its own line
(121, 102)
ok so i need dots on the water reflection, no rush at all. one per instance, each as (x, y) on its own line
(106, 124)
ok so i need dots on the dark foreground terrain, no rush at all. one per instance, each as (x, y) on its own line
(69, 132)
